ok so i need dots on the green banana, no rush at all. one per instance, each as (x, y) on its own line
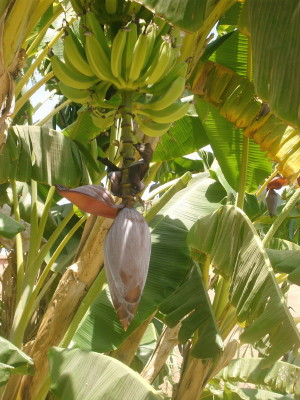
(111, 6)
(103, 122)
(97, 58)
(117, 54)
(154, 45)
(152, 128)
(159, 67)
(151, 36)
(179, 69)
(81, 96)
(94, 26)
(74, 54)
(167, 98)
(167, 115)
(131, 38)
(138, 58)
(100, 92)
(71, 77)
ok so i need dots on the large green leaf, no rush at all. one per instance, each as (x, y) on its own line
(281, 376)
(186, 136)
(233, 53)
(186, 14)
(287, 262)
(275, 37)
(13, 361)
(83, 130)
(77, 374)
(199, 315)
(235, 98)
(47, 156)
(237, 253)
(9, 227)
(227, 144)
(231, 392)
(169, 264)
(281, 244)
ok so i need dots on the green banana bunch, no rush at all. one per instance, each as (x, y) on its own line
(142, 59)
(139, 61)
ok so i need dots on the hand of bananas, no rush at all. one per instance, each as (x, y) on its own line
(142, 59)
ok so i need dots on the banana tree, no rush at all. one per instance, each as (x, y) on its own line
(132, 67)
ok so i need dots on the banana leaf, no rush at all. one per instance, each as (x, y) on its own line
(281, 244)
(13, 361)
(276, 55)
(237, 253)
(199, 316)
(227, 145)
(41, 154)
(77, 374)
(233, 53)
(186, 14)
(9, 227)
(82, 129)
(169, 265)
(280, 377)
(286, 262)
(235, 98)
(186, 136)
(232, 392)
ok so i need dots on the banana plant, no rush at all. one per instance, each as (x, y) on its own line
(197, 291)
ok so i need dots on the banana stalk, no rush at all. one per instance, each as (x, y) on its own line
(127, 140)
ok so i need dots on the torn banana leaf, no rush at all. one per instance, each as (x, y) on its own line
(238, 254)
(235, 99)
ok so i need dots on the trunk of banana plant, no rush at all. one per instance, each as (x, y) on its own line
(71, 289)
(166, 343)
(126, 352)
(196, 373)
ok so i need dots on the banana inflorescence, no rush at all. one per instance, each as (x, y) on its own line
(125, 69)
